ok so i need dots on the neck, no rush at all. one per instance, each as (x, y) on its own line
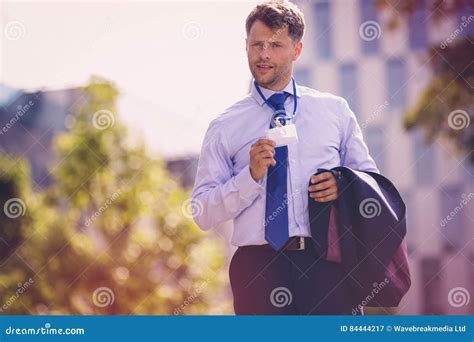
(276, 87)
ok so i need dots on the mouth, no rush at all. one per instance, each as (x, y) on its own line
(264, 67)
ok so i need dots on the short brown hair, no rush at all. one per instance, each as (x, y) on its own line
(276, 15)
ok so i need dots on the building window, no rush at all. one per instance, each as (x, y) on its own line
(452, 210)
(323, 30)
(396, 79)
(376, 144)
(423, 159)
(348, 85)
(417, 26)
(369, 13)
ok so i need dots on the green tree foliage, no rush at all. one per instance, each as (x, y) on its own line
(445, 107)
(111, 235)
(14, 185)
(438, 9)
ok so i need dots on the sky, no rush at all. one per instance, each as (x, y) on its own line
(177, 64)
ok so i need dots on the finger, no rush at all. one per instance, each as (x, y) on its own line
(324, 193)
(266, 162)
(323, 185)
(265, 154)
(260, 148)
(327, 198)
(257, 149)
(319, 196)
(265, 142)
(321, 177)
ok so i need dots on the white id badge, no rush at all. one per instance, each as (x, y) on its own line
(283, 135)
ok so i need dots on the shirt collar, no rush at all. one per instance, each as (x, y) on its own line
(267, 92)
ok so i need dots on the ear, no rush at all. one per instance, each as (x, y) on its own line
(246, 46)
(297, 51)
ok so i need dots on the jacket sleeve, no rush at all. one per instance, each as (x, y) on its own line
(218, 195)
(353, 150)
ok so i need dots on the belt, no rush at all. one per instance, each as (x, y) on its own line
(295, 243)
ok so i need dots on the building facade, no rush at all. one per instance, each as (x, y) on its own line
(348, 51)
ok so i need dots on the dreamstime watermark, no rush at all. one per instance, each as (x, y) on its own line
(46, 330)
(191, 298)
(192, 30)
(370, 207)
(103, 119)
(465, 200)
(19, 291)
(103, 208)
(377, 287)
(14, 30)
(103, 296)
(379, 110)
(458, 119)
(280, 297)
(192, 207)
(465, 21)
(370, 30)
(21, 110)
(458, 297)
(287, 21)
(280, 208)
(14, 208)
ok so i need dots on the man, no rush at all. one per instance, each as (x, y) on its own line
(242, 175)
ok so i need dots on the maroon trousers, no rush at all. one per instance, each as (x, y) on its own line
(266, 282)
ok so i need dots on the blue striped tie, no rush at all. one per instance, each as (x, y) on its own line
(276, 209)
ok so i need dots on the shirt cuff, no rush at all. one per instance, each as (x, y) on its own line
(247, 186)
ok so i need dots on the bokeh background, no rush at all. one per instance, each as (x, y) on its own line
(103, 109)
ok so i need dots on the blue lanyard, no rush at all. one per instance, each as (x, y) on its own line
(295, 101)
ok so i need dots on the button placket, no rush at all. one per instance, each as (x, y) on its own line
(294, 180)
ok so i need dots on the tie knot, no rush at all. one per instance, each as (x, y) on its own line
(277, 100)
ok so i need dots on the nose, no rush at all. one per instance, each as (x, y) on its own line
(265, 52)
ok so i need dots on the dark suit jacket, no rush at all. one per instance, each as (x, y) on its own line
(364, 229)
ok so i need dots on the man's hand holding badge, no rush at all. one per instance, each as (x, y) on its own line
(263, 151)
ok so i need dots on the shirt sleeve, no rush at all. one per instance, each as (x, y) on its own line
(354, 152)
(218, 195)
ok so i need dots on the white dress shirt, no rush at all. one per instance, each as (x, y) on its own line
(328, 136)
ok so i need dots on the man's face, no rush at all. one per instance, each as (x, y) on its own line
(271, 54)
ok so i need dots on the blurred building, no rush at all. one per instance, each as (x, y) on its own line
(184, 169)
(29, 121)
(348, 51)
